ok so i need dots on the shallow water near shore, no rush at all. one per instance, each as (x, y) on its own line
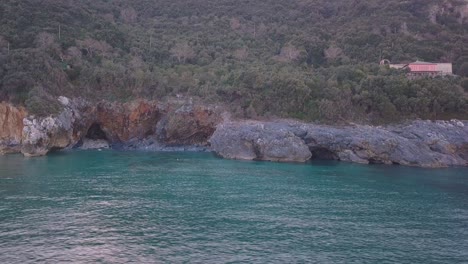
(146, 207)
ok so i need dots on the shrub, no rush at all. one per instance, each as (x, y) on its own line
(40, 103)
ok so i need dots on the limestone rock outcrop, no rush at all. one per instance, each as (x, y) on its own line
(11, 127)
(118, 122)
(188, 125)
(259, 141)
(40, 135)
(138, 124)
(420, 143)
(129, 121)
(152, 125)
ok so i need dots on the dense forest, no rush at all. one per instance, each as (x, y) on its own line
(308, 59)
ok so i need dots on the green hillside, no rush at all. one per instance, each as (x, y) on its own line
(308, 59)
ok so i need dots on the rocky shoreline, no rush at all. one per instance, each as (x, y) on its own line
(419, 143)
(151, 125)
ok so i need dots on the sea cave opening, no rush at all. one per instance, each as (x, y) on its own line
(95, 138)
(375, 161)
(95, 132)
(321, 153)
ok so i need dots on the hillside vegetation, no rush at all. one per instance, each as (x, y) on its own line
(307, 59)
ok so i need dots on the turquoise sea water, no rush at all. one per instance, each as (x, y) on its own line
(124, 207)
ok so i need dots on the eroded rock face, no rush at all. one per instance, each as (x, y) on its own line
(119, 122)
(11, 127)
(139, 124)
(40, 135)
(447, 140)
(365, 144)
(130, 121)
(420, 143)
(148, 125)
(259, 141)
(188, 125)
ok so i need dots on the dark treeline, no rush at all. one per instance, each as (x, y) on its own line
(308, 59)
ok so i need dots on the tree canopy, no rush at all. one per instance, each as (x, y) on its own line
(309, 59)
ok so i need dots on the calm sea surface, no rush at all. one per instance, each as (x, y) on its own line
(124, 207)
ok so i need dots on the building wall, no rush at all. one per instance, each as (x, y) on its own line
(426, 69)
(445, 68)
(423, 67)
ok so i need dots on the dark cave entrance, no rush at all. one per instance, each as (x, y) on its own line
(321, 153)
(95, 138)
(95, 132)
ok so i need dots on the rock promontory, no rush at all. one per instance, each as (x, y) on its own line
(153, 125)
(418, 143)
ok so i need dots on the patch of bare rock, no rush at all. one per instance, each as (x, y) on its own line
(419, 143)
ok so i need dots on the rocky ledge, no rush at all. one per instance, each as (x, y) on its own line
(152, 125)
(419, 143)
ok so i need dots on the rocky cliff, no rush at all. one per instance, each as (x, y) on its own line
(260, 141)
(11, 127)
(153, 125)
(189, 125)
(82, 124)
(420, 143)
(129, 121)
